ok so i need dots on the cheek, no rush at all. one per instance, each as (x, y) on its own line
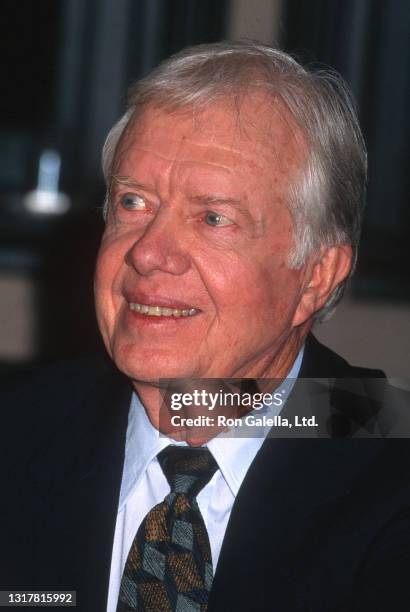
(109, 267)
(239, 285)
(258, 294)
(104, 273)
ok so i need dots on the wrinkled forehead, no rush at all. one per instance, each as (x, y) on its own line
(253, 129)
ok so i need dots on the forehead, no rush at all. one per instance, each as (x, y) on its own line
(258, 135)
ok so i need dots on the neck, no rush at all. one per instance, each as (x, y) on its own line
(188, 410)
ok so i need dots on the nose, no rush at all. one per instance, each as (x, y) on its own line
(160, 247)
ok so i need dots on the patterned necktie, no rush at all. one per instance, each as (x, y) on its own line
(169, 566)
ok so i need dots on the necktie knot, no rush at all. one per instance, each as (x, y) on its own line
(187, 469)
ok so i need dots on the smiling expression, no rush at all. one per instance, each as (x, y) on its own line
(192, 277)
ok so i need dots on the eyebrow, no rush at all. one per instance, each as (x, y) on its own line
(214, 199)
(200, 199)
(128, 182)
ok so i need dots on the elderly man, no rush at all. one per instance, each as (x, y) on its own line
(236, 184)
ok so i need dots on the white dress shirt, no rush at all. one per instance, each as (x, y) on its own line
(144, 484)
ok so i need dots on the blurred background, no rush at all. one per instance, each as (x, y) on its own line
(67, 65)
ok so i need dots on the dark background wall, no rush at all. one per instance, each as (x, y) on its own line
(66, 67)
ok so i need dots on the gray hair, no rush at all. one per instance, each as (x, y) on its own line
(326, 199)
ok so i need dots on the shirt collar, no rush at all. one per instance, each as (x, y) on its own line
(144, 442)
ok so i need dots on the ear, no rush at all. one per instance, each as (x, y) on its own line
(322, 278)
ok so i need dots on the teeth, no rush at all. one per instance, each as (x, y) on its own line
(158, 311)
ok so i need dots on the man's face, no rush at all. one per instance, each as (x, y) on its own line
(198, 226)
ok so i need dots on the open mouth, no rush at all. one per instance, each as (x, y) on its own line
(160, 311)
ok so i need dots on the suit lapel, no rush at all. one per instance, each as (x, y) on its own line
(273, 518)
(272, 528)
(76, 494)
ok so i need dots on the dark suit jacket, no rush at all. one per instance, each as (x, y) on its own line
(319, 525)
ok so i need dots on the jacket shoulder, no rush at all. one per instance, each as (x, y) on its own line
(49, 397)
(319, 361)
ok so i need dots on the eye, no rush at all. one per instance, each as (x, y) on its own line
(132, 201)
(216, 220)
